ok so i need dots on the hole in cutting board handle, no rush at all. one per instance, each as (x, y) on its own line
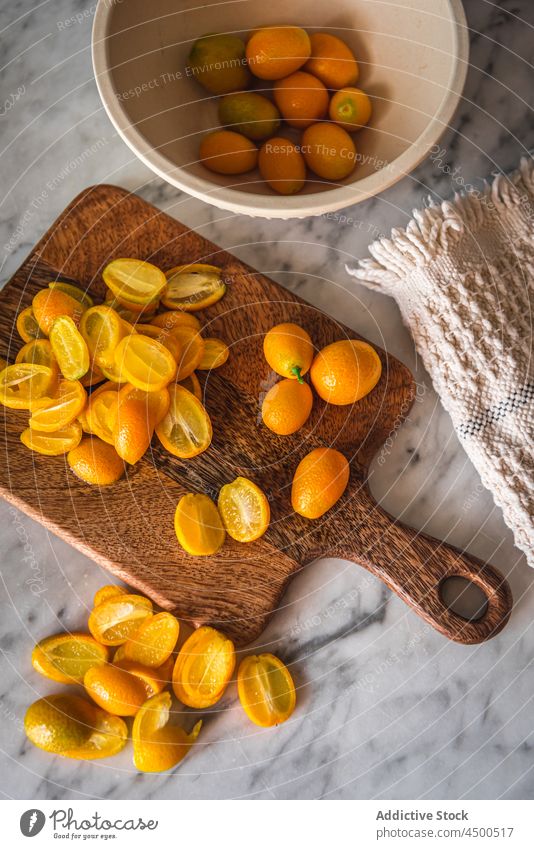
(465, 598)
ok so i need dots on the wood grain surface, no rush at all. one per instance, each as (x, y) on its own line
(128, 527)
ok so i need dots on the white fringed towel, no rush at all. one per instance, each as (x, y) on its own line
(462, 274)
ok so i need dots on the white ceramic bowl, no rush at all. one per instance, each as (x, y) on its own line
(413, 57)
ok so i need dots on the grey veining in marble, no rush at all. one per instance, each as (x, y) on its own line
(387, 708)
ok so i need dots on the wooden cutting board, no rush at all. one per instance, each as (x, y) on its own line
(128, 527)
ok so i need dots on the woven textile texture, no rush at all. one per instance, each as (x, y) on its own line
(462, 274)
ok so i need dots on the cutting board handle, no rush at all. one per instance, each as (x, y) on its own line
(415, 566)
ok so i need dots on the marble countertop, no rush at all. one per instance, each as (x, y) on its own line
(387, 707)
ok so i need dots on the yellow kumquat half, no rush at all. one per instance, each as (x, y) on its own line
(198, 525)
(266, 690)
(203, 668)
(193, 287)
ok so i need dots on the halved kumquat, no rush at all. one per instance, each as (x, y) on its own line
(266, 690)
(24, 385)
(67, 657)
(159, 746)
(244, 510)
(27, 326)
(191, 350)
(53, 413)
(203, 668)
(115, 620)
(192, 384)
(101, 415)
(185, 430)
(38, 352)
(150, 678)
(145, 363)
(53, 444)
(102, 329)
(193, 287)
(70, 348)
(108, 591)
(134, 280)
(154, 642)
(198, 525)
(74, 291)
(214, 355)
(173, 318)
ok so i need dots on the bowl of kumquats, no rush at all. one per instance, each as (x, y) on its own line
(264, 111)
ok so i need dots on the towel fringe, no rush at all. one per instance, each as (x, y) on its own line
(434, 230)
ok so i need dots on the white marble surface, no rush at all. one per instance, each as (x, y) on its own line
(387, 707)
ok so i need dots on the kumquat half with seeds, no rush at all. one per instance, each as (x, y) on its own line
(132, 664)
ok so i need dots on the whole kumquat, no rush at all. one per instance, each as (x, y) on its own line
(350, 108)
(228, 152)
(49, 304)
(275, 52)
(250, 114)
(59, 722)
(345, 371)
(115, 690)
(332, 61)
(96, 462)
(287, 406)
(329, 151)
(320, 480)
(301, 98)
(289, 350)
(217, 61)
(282, 166)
